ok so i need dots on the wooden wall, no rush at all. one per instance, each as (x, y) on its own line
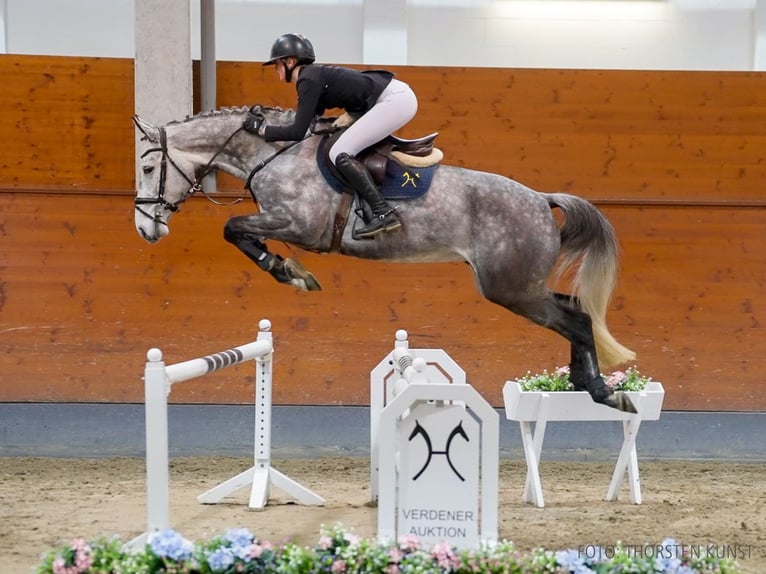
(675, 159)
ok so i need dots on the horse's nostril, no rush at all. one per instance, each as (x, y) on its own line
(146, 237)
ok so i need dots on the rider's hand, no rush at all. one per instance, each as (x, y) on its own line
(253, 124)
(344, 120)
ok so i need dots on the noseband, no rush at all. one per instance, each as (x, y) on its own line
(195, 184)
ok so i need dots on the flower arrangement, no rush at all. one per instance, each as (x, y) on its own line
(340, 552)
(628, 380)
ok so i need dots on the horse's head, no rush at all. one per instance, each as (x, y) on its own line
(181, 154)
(165, 180)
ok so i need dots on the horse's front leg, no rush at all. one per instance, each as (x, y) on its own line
(249, 242)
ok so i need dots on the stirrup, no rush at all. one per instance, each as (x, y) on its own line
(379, 224)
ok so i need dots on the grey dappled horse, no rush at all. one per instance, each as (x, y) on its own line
(505, 231)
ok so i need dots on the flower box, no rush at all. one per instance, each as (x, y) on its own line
(540, 407)
(578, 405)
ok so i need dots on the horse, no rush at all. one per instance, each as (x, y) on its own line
(509, 234)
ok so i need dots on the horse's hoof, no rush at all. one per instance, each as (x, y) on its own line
(301, 277)
(621, 402)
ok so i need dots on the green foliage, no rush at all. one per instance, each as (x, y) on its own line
(340, 552)
(629, 380)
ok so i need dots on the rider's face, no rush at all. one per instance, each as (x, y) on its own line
(283, 66)
(281, 71)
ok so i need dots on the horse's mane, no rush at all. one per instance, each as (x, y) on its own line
(220, 112)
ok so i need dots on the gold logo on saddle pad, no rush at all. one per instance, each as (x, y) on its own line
(410, 178)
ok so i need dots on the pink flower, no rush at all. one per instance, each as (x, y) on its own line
(616, 379)
(352, 539)
(409, 542)
(257, 549)
(59, 566)
(82, 559)
(338, 566)
(395, 555)
(325, 542)
(442, 552)
(562, 371)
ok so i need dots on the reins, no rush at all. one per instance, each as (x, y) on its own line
(267, 161)
(195, 184)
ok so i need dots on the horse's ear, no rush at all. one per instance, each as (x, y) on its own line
(151, 132)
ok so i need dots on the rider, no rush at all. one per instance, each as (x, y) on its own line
(384, 103)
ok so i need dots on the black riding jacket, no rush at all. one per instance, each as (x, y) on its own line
(323, 87)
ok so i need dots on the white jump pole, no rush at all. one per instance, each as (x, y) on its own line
(158, 380)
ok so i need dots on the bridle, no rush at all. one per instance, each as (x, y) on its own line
(195, 184)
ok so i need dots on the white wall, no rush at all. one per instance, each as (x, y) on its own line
(637, 34)
(71, 28)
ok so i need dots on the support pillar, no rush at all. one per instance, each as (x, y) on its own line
(163, 65)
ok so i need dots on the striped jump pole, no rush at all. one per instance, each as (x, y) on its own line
(158, 381)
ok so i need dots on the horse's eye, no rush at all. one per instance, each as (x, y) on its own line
(147, 169)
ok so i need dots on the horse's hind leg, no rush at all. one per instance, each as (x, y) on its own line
(584, 371)
(283, 270)
(577, 373)
(556, 312)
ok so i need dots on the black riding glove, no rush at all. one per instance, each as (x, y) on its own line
(253, 123)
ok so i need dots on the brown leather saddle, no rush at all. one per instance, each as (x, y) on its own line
(408, 155)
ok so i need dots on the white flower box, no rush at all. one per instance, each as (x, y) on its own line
(540, 407)
(578, 405)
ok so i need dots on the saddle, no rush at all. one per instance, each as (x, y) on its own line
(416, 153)
(401, 168)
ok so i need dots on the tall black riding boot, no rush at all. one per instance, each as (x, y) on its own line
(385, 217)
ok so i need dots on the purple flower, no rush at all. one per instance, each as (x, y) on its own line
(573, 561)
(241, 542)
(170, 544)
(220, 559)
(239, 536)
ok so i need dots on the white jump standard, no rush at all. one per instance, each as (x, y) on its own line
(436, 451)
(158, 379)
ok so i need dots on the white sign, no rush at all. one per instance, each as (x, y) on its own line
(438, 479)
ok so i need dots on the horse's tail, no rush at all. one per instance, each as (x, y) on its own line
(589, 239)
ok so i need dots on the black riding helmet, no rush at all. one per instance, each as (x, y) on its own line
(292, 45)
